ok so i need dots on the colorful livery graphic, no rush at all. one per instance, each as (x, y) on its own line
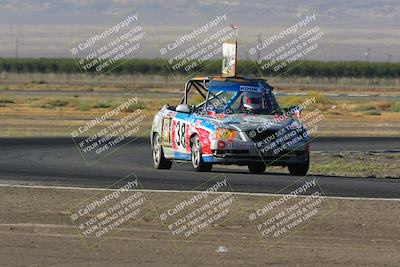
(230, 121)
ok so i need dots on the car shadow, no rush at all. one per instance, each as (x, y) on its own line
(218, 169)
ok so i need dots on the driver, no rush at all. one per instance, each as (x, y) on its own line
(251, 102)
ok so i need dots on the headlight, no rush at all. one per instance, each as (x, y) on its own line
(226, 134)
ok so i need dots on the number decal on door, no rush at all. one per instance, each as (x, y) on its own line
(180, 134)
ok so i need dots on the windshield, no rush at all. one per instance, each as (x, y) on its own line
(233, 102)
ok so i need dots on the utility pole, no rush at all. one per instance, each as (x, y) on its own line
(389, 58)
(16, 47)
(367, 54)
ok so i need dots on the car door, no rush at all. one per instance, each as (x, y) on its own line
(180, 143)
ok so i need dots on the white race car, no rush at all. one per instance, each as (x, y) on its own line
(238, 122)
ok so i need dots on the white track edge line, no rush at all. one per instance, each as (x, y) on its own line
(186, 191)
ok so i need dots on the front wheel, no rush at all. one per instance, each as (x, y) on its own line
(258, 167)
(300, 169)
(197, 158)
(159, 161)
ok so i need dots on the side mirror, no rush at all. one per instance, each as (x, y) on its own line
(183, 108)
(296, 108)
(292, 109)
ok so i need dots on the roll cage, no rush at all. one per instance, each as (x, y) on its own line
(200, 84)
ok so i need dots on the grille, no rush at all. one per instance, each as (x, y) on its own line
(261, 136)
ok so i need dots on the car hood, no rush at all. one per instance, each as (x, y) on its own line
(246, 122)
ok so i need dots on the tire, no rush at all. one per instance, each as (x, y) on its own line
(196, 155)
(300, 169)
(258, 167)
(159, 161)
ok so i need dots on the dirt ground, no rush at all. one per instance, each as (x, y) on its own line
(36, 230)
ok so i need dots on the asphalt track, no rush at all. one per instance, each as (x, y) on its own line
(56, 161)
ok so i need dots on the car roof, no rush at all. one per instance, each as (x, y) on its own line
(220, 78)
(235, 84)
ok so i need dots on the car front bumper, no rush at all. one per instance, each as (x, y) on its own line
(244, 157)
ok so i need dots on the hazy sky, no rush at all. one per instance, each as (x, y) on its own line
(46, 28)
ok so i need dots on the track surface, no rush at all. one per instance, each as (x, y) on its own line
(56, 161)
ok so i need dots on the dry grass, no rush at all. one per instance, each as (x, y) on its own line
(336, 107)
(55, 115)
(28, 114)
(158, 83)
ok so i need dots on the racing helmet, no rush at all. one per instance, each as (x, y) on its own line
(251, 101)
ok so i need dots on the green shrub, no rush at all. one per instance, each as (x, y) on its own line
(39, 82)
(319, 98)
(395, 107)
(51, 103)
(102, 105)
(289, 101)
(6, 101)
(365, 107)
(372, 112)
(133, 107)
(84, 106)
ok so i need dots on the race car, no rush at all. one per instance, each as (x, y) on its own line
(230, 121)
